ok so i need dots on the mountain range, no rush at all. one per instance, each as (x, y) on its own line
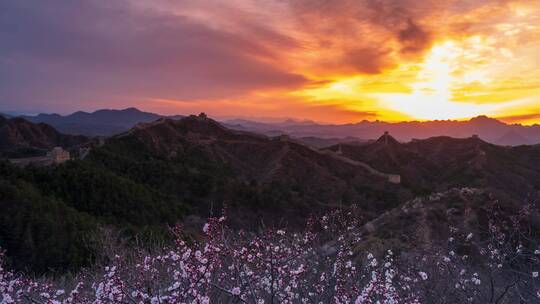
(306, 176)
(440, 163)
(166, 171)
(422, 165)
(110, 122)
(489, 129)
(99, 123)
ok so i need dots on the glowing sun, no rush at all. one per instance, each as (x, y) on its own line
(431, 96)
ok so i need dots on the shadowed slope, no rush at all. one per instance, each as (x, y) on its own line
(18, 133)
(439, 163)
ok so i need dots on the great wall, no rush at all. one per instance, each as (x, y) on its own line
(56, 156)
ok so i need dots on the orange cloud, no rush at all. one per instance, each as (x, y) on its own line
(329, 60)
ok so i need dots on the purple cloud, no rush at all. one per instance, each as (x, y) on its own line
(60, 51)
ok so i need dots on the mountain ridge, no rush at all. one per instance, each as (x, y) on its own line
(17, 134)
(440, 162)
(107, 122)
(490, 129)
(159, 173)
(251, 156)
(103, 122)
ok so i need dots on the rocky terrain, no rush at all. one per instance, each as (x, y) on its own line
(426, 222)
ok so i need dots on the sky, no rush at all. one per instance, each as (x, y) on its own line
(325, 60)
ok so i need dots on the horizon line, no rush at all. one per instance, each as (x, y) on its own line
(264, 119)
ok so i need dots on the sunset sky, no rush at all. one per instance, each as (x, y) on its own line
(324, 60)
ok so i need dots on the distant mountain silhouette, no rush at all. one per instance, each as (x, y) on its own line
(98, 123)
(489, 129)
(513, 138)
(18, 133)
(110, 122)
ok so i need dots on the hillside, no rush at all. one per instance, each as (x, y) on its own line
(440, 163)
(306, 175)
(171, 171)
(18, 135)
(424, 223)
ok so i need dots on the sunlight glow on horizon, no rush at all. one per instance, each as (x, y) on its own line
(337, 61)
(456, 80)
(432, 98)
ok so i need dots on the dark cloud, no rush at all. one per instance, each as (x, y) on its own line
(413, 38)
(373, 34)
(366, 60)
(60, 50)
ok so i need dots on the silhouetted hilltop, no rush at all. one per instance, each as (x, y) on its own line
(101, 122)
(110, 122)
(18, 133)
